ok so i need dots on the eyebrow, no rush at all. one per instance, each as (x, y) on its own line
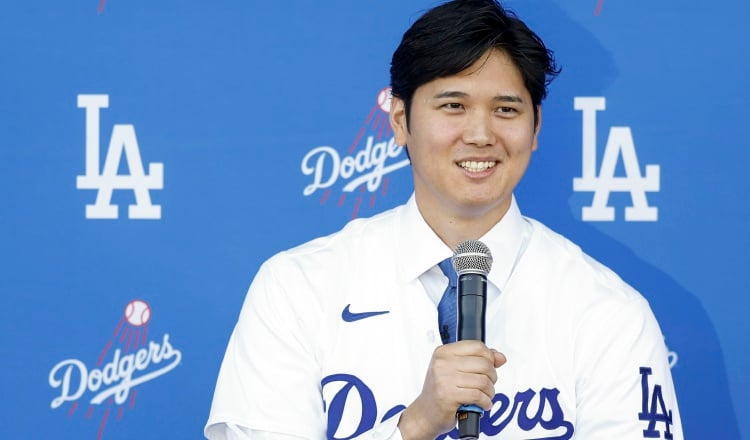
(457, 94)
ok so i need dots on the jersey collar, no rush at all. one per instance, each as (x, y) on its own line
(419, 248)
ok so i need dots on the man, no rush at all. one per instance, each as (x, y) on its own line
(339, 337)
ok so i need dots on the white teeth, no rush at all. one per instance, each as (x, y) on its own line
(476, 167)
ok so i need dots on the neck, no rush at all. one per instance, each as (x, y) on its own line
(460, 225)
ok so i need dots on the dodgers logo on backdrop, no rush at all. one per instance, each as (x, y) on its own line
(364, 168)
(672, 358)
(599, 4)
(128, 360)
(123, 141)
(602, 183)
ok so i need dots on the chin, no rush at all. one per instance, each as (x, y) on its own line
(486, 204)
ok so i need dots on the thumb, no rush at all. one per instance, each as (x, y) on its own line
(500, 358)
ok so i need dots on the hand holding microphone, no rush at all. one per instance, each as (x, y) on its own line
(461, 375)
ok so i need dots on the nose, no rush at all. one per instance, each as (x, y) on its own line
(478, 130)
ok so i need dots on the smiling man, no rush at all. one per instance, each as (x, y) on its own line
(470, 137)
(340, 337)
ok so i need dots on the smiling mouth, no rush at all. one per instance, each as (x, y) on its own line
(476, 167)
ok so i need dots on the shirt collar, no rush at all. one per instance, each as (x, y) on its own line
(506, 241)
(420, 248)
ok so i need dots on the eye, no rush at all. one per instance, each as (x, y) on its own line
(507, 112)
(453, 106)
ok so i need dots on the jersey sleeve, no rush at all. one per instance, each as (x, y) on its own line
(624, 387)
(269, 380)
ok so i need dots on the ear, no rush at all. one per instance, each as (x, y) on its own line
(397, 117)
(537, 128)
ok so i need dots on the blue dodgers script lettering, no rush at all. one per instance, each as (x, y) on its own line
(336, 407)
(497, 419)
(527, 409)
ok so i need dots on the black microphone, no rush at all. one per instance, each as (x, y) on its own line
(472, 261)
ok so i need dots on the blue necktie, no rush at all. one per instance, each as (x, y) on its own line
(447, 307)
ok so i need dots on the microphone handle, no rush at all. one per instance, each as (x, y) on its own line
(472, 302)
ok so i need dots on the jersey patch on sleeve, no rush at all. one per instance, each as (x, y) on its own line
(653, 409)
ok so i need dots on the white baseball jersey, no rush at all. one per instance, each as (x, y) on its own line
(335, 337)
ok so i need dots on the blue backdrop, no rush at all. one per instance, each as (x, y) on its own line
(209, 118)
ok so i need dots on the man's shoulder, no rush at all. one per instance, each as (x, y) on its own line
(572, 266)
(359, 237)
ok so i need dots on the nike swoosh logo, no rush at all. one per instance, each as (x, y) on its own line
(349, 316)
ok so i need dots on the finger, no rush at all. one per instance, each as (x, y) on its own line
(499, 358)
(478, 365)
(481, 396)
(469, 348)
(479, 382)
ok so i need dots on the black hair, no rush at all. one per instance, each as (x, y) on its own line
(451, 37)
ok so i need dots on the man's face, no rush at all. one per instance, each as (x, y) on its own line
(470, 138)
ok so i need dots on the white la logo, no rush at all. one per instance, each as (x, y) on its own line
(122, 140)
(619, 143)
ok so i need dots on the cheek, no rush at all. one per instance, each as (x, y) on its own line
(439, 136)
(429, 139)
(520, 141)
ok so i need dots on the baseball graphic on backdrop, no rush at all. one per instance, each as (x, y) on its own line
(138, 312)
(384, 100)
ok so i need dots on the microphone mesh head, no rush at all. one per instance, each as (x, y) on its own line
(472, 256)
